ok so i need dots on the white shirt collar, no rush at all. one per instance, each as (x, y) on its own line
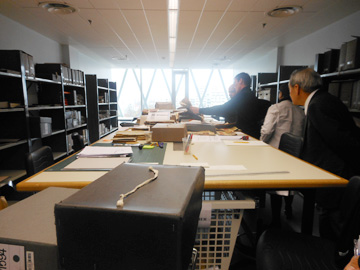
(307, 101)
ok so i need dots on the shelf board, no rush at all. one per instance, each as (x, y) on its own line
(45, 107)
(102, 88)
(55, 132)
(341, 73)
(74, 85)
(12, 110)
(268, 84)
(111, 89)
(113, 103)
(74, 106)
(14, 174)
(11, 144)
(102, 104)
(8, 74)
(104, 119)
(80, 126)
(58, 155)
(106, 133)
(36, 79)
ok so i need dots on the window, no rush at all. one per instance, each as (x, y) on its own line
(141, 88)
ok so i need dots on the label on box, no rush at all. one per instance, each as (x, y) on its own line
(205, 215)
(12, 257)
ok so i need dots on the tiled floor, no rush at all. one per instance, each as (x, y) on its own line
(244, 258)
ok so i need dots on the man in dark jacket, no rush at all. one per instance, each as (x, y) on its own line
(250, 111)
(331, 140)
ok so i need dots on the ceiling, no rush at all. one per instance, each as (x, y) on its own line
(210, 32)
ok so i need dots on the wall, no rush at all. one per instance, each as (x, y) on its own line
(303, 51)
(15, 36)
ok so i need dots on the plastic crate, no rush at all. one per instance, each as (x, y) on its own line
(215, 244)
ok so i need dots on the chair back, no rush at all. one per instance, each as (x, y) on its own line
(291, 144)
(349, 215)
(38, 160)
(78, 141)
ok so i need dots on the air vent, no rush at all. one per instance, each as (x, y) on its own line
(281, 12)
(58, 7)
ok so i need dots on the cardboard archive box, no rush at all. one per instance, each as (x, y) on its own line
(155, 229)
(28, 234)
(168, 132)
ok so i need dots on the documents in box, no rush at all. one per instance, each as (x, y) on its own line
(155, 229)
(27, 231)
(168, 132)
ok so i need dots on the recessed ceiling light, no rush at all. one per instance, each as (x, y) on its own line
(58, 7)
(281, 12)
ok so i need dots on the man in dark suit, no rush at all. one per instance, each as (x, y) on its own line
(331, 140)
(250, 111)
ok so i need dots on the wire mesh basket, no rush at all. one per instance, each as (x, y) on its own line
(215, 244)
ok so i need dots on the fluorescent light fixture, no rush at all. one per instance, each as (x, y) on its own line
(173, 4)
(172, 45)
(173, 14)
(173, 21)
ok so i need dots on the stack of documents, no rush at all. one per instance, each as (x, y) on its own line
(98, 151)
(131, 136)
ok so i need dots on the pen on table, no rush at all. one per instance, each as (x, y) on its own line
(195, 157)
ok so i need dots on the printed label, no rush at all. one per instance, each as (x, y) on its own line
(205, 216)
(12, 257)
(30, 265)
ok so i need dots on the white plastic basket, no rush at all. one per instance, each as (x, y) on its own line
(215, 244)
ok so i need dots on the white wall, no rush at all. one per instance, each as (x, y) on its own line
(89, 65)
(303, 51)
(253, 66)
(15, 36)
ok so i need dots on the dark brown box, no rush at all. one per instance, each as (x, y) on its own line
(155, 229)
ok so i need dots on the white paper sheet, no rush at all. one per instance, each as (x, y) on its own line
(95, 164)
(103, 151)
(203, 138)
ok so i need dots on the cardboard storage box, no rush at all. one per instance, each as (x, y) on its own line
(40, 126)
(168, 132)
(155, 229)
(28, 234)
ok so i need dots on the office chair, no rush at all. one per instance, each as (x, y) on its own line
(78, 141)
(282, 250)
(38, 160)
(292, 145)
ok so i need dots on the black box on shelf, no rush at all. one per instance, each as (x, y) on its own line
(346, 92)
(103, 83)
(342, 57)
(355, 100)
(155, 229)
(353, 54)
(319, 63)
(28, 233)
(264, 78)
(331, 60)
(11, 60)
